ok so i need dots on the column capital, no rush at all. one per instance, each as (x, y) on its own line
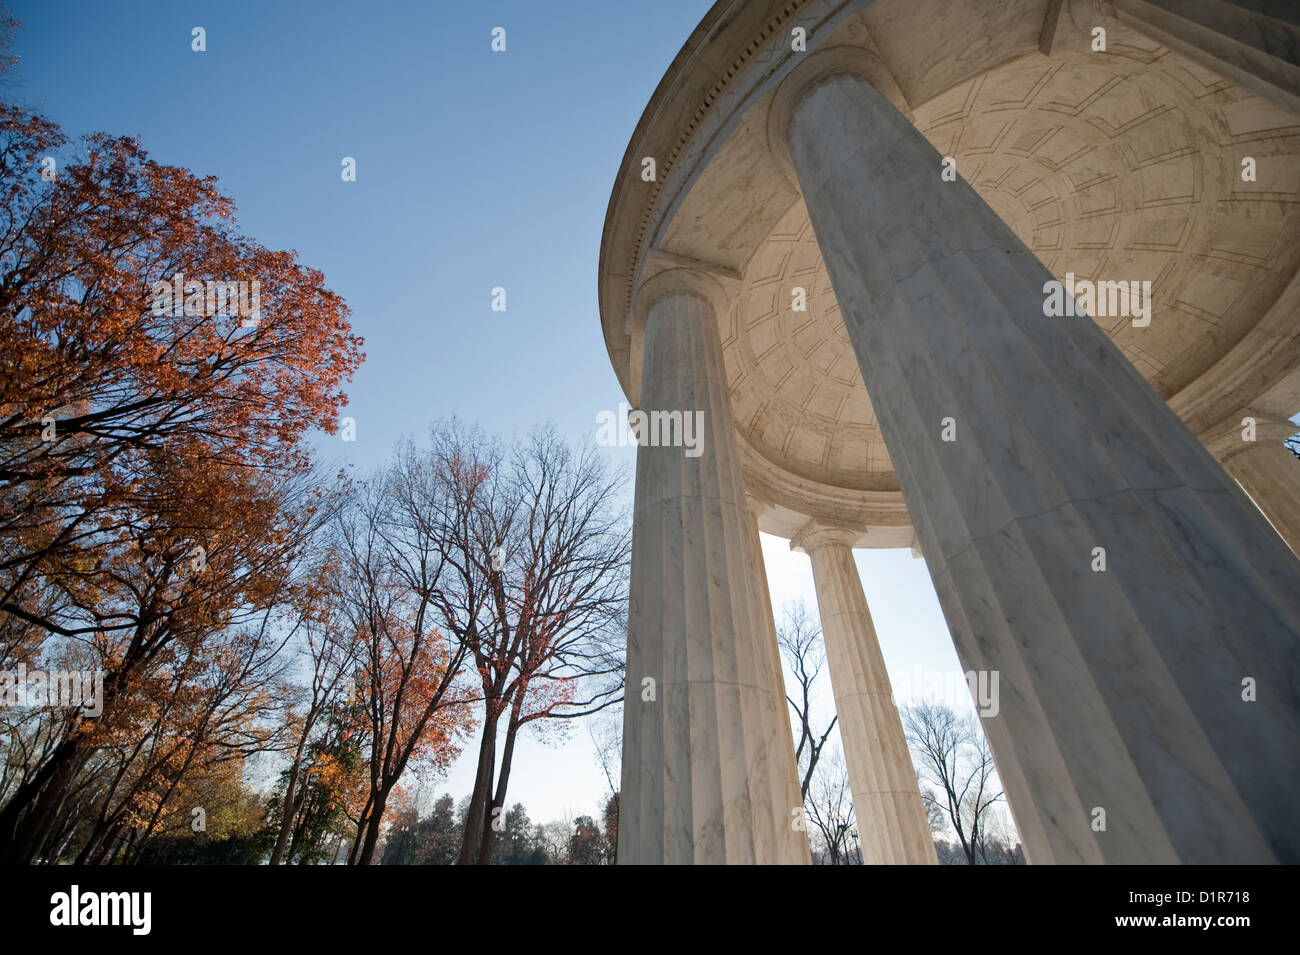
(676, 281)
(661, 285)
(816, 68)
(757, 505)
(815, 535)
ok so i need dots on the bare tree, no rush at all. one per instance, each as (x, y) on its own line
(395, 555)
(935, 814)
(607, 739)
(800, 639)
(553, 549)
(554, 838)
(330, 648)
(829, 806)
(955, 759)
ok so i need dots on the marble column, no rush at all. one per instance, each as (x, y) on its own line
(1271, 476)
(1143, 616)
(892, 823)
(702, 758)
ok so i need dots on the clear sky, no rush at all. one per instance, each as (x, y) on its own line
(474, 170)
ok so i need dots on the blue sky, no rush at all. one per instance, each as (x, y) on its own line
(475, 170)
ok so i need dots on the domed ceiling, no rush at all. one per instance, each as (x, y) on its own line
(1123, 166)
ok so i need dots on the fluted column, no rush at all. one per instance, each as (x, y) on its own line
(892, 823)
(1142, 615)
(700, 761)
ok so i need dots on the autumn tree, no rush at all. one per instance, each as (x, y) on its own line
(228, 831)
(152, 468)
(329, 650)
(205, 712)
(330, 797)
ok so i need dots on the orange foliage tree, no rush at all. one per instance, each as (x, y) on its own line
(153, 478)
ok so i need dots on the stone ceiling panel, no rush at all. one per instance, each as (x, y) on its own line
(1122, 167)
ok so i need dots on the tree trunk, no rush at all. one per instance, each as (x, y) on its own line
(289, 810)
(23, 821)
(98, 834)
(298, 827)
(363, 823)
(371, 831)
(503, 779)
(70, 830)
(475, 819)
(106, 845)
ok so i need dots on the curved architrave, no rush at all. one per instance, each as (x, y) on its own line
(814, 70)
(667, 282)
(1263, 358)
(792, 501)
(735, 57)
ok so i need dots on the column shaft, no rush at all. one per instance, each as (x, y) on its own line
(699, 757)
(1128, 730)
(892, 823)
